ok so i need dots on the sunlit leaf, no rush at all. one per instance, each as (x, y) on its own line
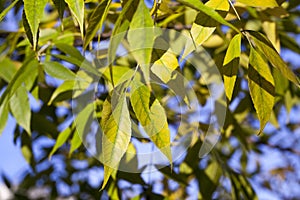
(141, 29)
(77, 9)
(164, 67)
(152, 117)
(3, 116)
(231, 65)
(20, 108)
(34, 10)
(96, 20)
(198, 5)
(6, 10)
(264, 45)
(204, 26)
(259, 3)
(61, 139)
(116, 137)
(57, 70)
(261, 85)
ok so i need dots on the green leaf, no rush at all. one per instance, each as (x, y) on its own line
(20, 108)
(198, 5)
(204, 26)
(259, 3)
(77, 10)
(116, 137)
(152, 118)
(265, 46)
(70, 50)
(6, 10)
(64, 87)
(261, 85)
(164, 66)
(57, 70)
(121, 27)
(75, 86)
(25, 75)
(96, 20)
(142, 29)
(82, 125)
(61, 139)
(7, 69)
(231, 65)
(34, 10)
(3, 116)
(60, 6)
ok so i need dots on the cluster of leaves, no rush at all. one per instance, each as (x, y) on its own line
(43, 61)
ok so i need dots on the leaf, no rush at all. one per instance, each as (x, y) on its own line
(57, 70)
(82, 124)
(164, 66)
(34, 10)
(121, 27)
(231, 65)
(20, 108)
(265, 46)
(116, 137)
(6, 10)
(70, 50)
(261, 85)
(25, 75)
(198, 5)
(96, 20)
(3, 116)
(64, 87)
(153, 119)
(259, 3)
(7, 69)
(61, 139)
(106, 113)
(204, 26)
(75, 86)
(60, 6)
(142, 29)
(77, 10)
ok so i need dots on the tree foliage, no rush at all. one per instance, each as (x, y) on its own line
(62, 47)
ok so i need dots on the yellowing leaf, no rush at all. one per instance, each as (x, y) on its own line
(116, 137)
(96, 20)
(152, 118)
(164, 66)
(231, 65)
(34, 10)
(20, 108)
(77, 9)
(141, 38)
(265, 46)
(198, 5)
(204, 26)
(259, 3)
(261, 85)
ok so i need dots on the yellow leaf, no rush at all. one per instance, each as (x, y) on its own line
(259, 3)
(261, 85)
